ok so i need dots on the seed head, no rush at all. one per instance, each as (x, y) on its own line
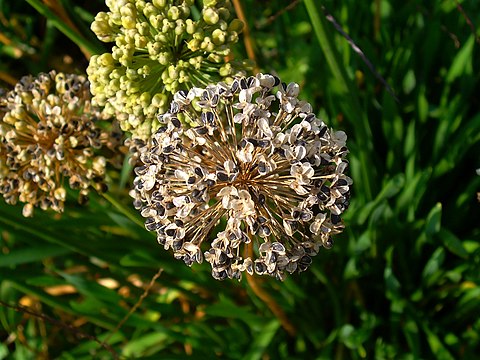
(50, 136)
(257, 171)
(159, 49)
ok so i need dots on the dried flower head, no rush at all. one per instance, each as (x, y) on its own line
(50, 136)
(159, 49)
(259, 171)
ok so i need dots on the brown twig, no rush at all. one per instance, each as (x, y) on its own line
(468, 20)
(359, 52)
(74, 330)
(247, 39)
(135, 307)
(376, 20)
(268, 300)
(272, 18)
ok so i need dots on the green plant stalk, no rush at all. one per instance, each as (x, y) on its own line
(87, 47)
(123, 210)
(350, 103)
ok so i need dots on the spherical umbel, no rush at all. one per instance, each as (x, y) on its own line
(255, 167)
(50, 138)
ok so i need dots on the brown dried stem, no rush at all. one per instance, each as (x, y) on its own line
(247, 39)
(268, 300)
(135, 307)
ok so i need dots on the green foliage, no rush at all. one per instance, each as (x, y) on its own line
(401, 283)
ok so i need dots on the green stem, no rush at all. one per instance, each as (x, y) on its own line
(124, 210)
(350, 102)
(87, 47)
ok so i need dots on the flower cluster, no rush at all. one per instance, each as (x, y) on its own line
(257, 170)
(159, 49)
(51, 135)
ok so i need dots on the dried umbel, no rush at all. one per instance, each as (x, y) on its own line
(159, 49)
(258, 171)
(51, 136)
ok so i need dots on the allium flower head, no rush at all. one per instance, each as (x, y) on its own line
(51, 136)
(159, 48)
(258, 171)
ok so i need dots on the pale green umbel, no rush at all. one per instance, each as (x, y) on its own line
(159, 49)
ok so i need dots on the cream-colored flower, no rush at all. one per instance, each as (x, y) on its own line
(268, 178)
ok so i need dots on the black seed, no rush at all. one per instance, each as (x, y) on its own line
(322, 197)
(264, 143)
(235, 86)
(200, 130)
(253, 141)
(160, 209)
(219, 275)
(209, 116)
(260, 268)
(323, 161)
(160, 130)
(179, 223)
(177, 244)
(222, 176)
(280, 152)
(266, 230)
(141, 170)
(198, 170)
(137, 204)
(151, 225)
(278, 247)
(262, 167)
(188, 260)
(322, 132)
(276, 80)
(306, 260)
(197, 194)
(169, 205)
(335, 219)
(170, 232)
(222, 258)
(342, 182)
(191, 180)
(168, 149)
(210, 182)
(255, 227)
(306, 216)
(261, 199)
(176, 122)
(243, 84)
(296, 214)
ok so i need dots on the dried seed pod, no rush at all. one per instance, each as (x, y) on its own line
(264, 163)
(51, 136)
